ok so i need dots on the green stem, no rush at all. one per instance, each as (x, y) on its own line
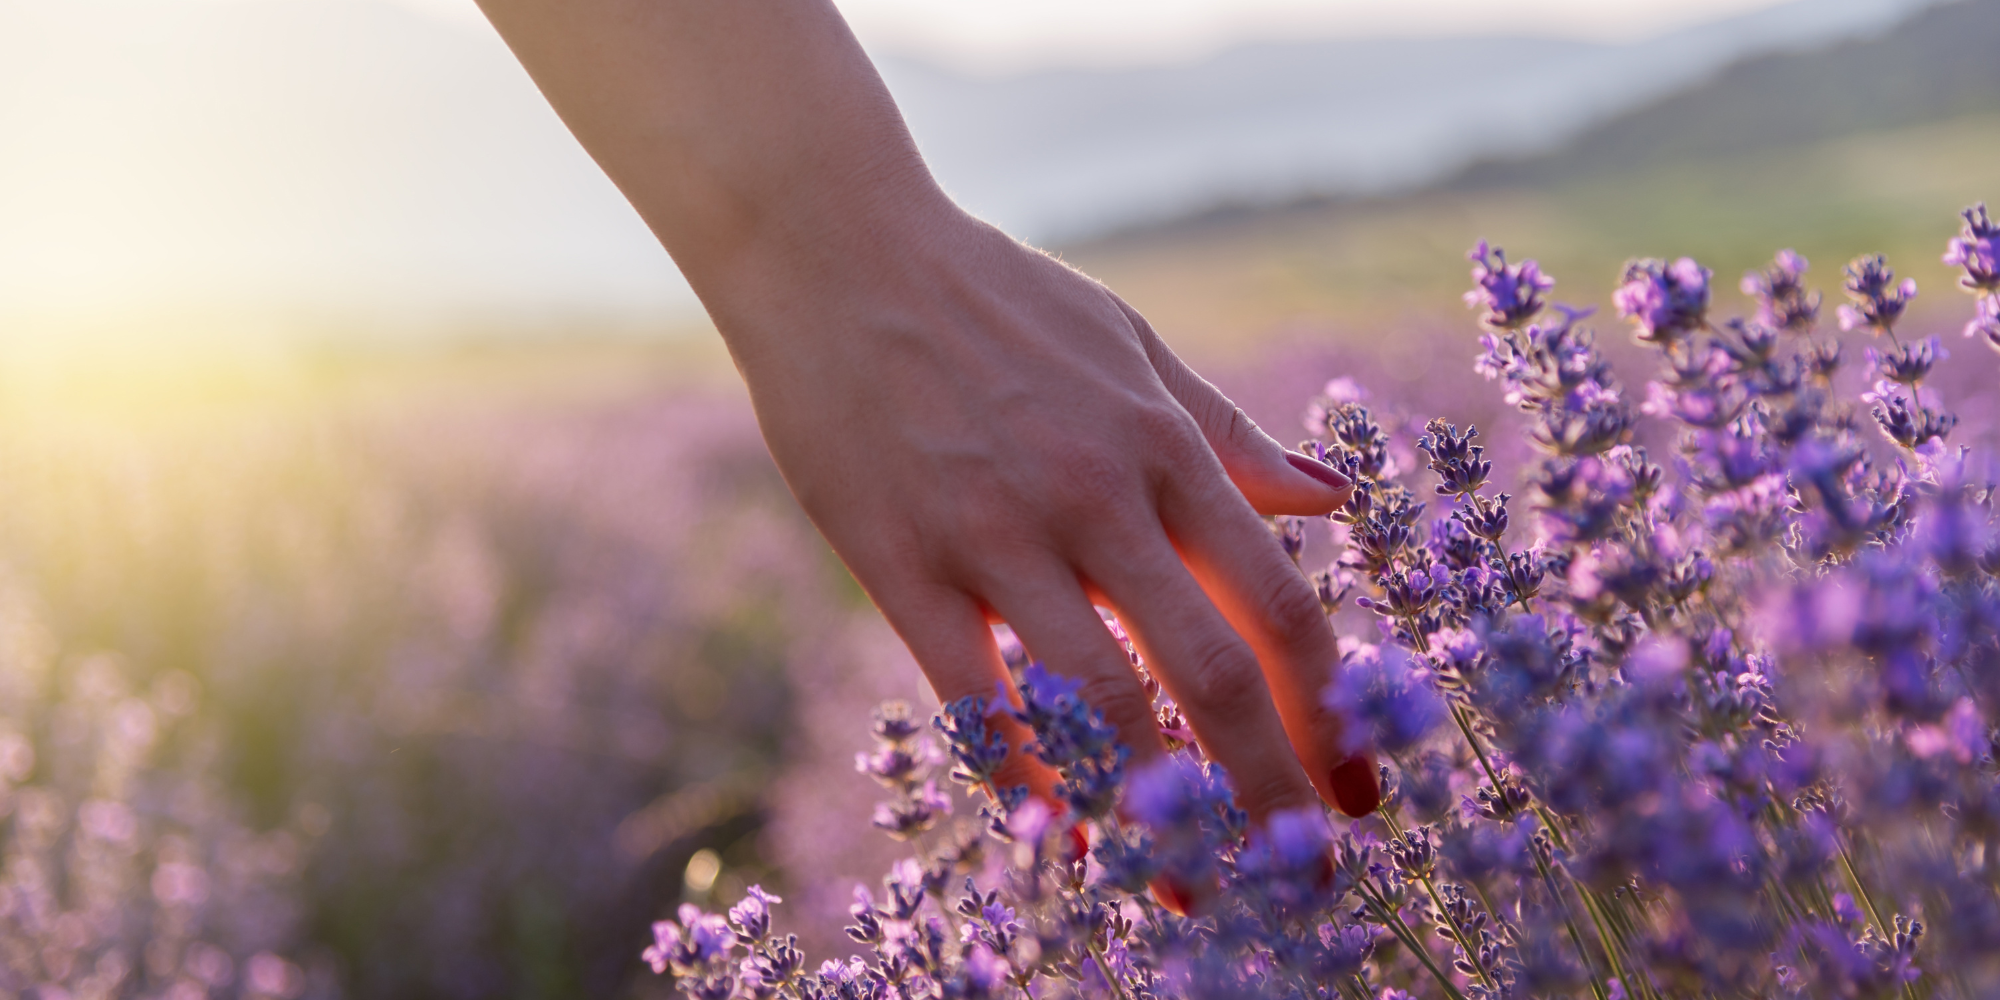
(1607, 933)
(1569, 923)
(1854, 878)
(1423, 645)
(1397, 927)
(1458, 715)
(1464, 941)
(1881, 926)
(1104, 968)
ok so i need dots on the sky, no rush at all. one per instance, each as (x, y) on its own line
(141, 175)
(1013, 35)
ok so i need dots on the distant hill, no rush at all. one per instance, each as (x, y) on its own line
(1061, 155)
(1942, 63)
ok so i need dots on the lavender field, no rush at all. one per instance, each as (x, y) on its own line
(419, 702)
(398, 601)
(456, 697)
(435, 695)
(1714, 726)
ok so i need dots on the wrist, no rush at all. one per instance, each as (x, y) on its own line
(835, 257)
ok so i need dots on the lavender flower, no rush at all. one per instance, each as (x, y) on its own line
(751, 918)
(1878, 300)
(1976, 249)
(1666, 301)
(1456, 460)
(979, 750)
(1508, 295)
(1908, 363)
(1385, 701)
(1904, 418)
(1783, 301)
(1985, 324)
(1720, 726)
(695, 945)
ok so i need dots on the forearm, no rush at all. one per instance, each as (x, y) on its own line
(753, 136)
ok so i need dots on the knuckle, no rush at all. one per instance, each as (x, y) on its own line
(1224, 680)
(1121, 700)
(1167, 427)
(1291, 611)
(1274, 790)
(1090, 481)
(1240, 429)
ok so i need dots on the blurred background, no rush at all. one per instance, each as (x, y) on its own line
(396, 599)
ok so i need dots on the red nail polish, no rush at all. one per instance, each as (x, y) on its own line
(1355, 790)
(1173, 895)
(1318, 470)
(1079, 844)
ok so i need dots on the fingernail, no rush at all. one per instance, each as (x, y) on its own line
(1173, 895)
(1079, 844)
(1318, 470)
(1355, 790)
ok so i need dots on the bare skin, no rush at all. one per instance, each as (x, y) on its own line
(982, 433)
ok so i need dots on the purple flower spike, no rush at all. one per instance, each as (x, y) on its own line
(1386, 701)
(1682, 692)
(752, 917)
(1169, 792)
(1044, 688)
(666, 942)
(693, 945)
(1509, 294)
(1977, 250)
(985, 971)
(1908, 363)
(1879, 300)
(1668, 301)
(1985, 323)
(1783, 302)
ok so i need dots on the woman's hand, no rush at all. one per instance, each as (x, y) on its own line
(982, 433)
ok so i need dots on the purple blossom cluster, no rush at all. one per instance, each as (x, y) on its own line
(123, 872)
(1720, 723)
(516, 660)
(1976, 250)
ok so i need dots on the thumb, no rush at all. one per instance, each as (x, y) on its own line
(1274, 480)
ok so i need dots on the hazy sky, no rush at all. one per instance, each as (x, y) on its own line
(155, 179)
(1012, 34)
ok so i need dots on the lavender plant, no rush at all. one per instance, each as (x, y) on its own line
(124, 872)
(1719, 724)
(520, 659)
